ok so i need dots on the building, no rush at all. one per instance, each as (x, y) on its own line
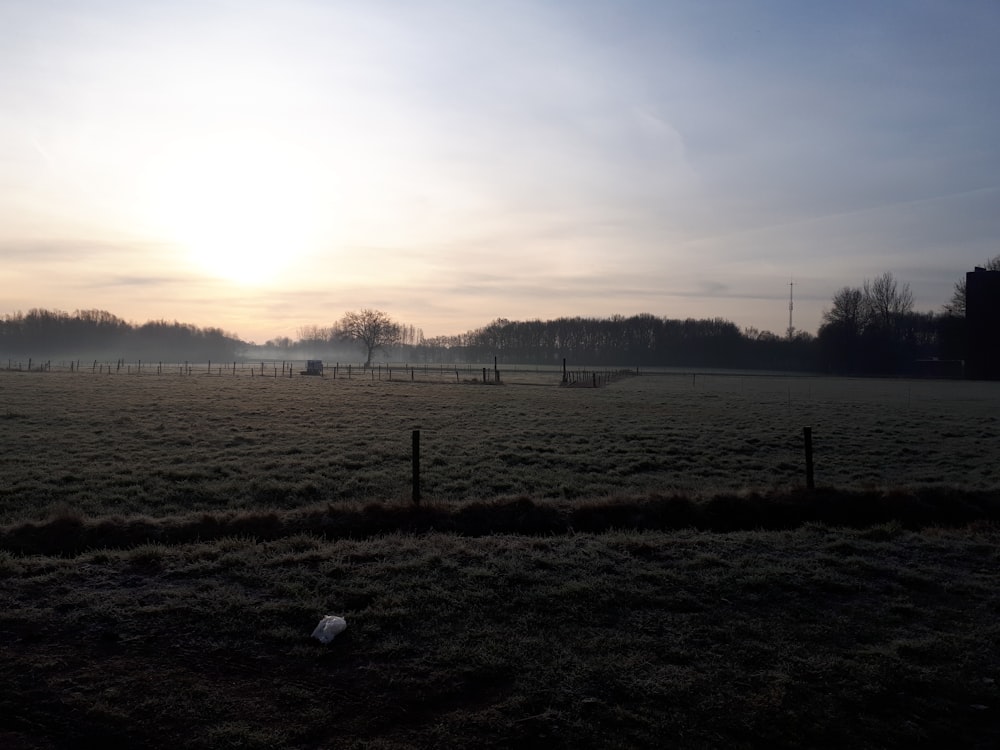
(982, 317)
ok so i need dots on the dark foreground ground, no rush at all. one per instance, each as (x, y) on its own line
(815, 635)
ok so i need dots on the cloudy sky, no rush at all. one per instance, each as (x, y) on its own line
(261, 166)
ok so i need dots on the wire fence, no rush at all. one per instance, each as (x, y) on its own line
(469, 373)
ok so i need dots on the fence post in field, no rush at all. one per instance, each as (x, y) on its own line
(484, 374)
(807, 433)
(564, 369)
(416, 467)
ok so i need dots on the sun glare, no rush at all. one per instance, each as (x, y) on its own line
(243, 208)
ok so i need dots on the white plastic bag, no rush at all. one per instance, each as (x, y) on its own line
(329, 628)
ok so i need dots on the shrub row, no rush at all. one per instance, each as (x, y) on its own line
(68, 534)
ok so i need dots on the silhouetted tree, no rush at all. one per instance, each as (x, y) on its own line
(887, 301)
(843, 325)
(874, 329)
(373, 328)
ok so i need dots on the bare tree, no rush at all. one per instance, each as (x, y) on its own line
(313, 335)
(887, 300)
(373, 328)
(850, 310)
(957, 305)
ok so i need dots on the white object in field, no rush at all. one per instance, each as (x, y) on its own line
(329, 628)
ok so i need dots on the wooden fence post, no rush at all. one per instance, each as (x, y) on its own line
(416, 467)
(807, 433)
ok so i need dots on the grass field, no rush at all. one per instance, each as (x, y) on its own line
(160, 445)
(629, 566)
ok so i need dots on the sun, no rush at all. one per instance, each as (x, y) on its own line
(243, 207)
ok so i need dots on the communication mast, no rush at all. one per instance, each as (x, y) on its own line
(791, 306)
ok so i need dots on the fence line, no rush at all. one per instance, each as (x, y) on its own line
(468, 373)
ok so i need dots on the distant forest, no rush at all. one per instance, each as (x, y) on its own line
(903, 346)
(96, 334)
(893, 344)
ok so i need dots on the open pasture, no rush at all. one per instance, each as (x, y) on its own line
(807, 636)
(125, 444)
(814, 637)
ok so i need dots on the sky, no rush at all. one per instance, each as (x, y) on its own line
(263, 166)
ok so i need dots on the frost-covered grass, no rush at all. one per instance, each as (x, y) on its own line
(810, 637)
(631, 566)
(104, 445)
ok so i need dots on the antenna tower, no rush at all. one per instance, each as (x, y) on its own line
(791, 306)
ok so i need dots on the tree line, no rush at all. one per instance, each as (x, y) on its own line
(874, 329)
(871, 329)
(637, 340)
(97, 334)
(868, 329)
(643, 340)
